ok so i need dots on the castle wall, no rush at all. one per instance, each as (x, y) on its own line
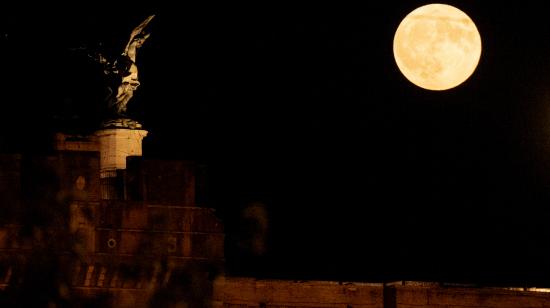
(451, 297)
(250, 292)
(56, 229)
(154, 240)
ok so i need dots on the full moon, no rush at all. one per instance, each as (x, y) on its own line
(437, 47)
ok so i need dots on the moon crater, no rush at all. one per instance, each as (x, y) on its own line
(437, 47)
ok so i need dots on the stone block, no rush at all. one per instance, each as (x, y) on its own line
(116, 144)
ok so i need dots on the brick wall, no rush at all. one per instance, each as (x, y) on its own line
(250, 292)
(451, 297)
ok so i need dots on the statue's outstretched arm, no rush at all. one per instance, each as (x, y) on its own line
(137, 31)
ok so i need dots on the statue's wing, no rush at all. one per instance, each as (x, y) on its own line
(95, 55)
(139, 29)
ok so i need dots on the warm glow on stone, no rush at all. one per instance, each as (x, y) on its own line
(117, 144)
(80, 182)
(437, 47)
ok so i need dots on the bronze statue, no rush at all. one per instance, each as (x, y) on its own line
(123, 71)
(129, 77)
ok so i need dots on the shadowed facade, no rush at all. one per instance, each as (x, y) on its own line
(120, 238)
(139, 238)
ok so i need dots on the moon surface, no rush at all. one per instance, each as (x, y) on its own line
(437, 47)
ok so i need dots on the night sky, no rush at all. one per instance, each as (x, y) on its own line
(304, 121)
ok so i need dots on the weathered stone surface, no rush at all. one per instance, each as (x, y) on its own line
(249, 291)
(115, 145)
(125, 123)
(411, 295)
(82, 143)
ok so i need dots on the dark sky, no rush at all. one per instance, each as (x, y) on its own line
(301, 111)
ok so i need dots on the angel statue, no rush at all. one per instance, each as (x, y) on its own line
(123, 70)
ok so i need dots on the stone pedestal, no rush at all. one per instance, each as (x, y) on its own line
(115, 144)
